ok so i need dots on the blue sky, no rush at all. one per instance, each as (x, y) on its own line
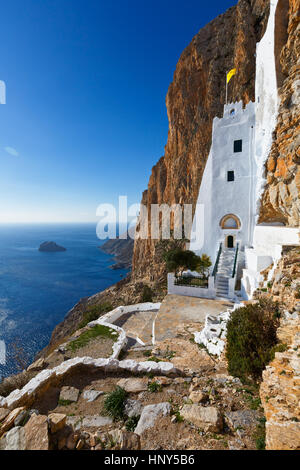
(85, 116)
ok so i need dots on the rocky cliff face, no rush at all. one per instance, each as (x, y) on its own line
(281, 201)
(195, 97)
(279, 391)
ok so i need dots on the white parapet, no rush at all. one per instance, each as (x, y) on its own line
(213, 335)
(189, 291)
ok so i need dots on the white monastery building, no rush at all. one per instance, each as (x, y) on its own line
(227, 190)
(232, 186)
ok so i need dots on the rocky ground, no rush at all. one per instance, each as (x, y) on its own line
(201, 408)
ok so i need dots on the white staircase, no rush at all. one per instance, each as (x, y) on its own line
(224, 273)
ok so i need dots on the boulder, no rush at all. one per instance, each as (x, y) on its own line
(117, 439)
(133, 408)
(14, 439)
(163, 380)
(9, 420)
(130, 441)
(96, 421)
(206, 418)
(133, 385)
(37, 365)
(36, 433)
(74, 422)
(124, 440)
(197, 396)
(57, 421)
(4, 412)
(22, 418)
(91, 395)
(150, 414)
(69, 394)
(241, 420)
(78, 422)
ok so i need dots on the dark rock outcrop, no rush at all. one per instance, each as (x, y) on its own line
(51, 247)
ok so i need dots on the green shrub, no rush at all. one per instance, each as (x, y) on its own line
(147, 353)
(254, 403)
(179, 418)
(154, 387)
(147, 294)
(84, 338)
(251, 337)
(154, 359)
(260, 434)
(64, 402)
(131, 423)
(114, 403)
(260, 443)
(281, 347)
(94, 312)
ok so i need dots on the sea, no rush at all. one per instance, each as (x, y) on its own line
(37, 289)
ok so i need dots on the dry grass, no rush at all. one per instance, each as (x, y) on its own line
(14, 382)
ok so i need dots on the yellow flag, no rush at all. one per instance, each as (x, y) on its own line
(230, 75)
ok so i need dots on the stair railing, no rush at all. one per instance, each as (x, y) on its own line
(215, 270)
(235, 260)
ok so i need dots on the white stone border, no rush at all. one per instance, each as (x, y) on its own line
(18, 397)
(213, 335)
(40, 381)
(114, 315)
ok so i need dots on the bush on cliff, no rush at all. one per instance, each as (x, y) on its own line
(147, 294)
(251, 339)
(94, 312)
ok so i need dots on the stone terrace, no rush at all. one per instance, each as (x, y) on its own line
(176, 310)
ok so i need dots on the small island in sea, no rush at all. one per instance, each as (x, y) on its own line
(51, 247)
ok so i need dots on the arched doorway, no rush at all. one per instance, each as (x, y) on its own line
(230, 221)
(230, 241)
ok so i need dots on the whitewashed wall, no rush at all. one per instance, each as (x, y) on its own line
(267, 99)
(188, 291)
